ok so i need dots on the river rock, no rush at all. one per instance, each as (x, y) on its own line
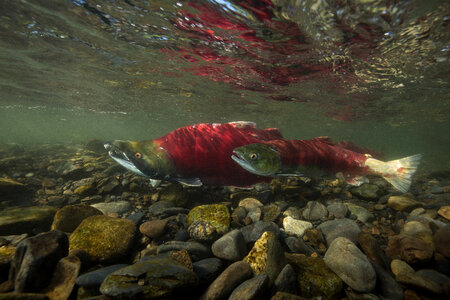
(444, 212)
(216, 214)
(104, 238)
(154, 228)
(351, 265)
(203, 231)
(35, 260)
(362, 214)
(270, 212)
(387, 285)
(399, 267)
(222, 287)
(338, 210)
(372, 250)
(231, 246)
(150, 279)
(418, 281)
(95, 278)
(410, 249)
(251, 289)
(196, 250)
(403, 203)
(254, 231)
(250, 203)
(442, 241)
(286, 281)
(18, 220)
(23, 296)
(314, 210)
(295, 227)
(117, 207)
(208, 269)
(267, 256)
(339, 228)
(70, 216)
(9, 186)
(367, 191)
(315, 279)
(63, 278)
(175, 194)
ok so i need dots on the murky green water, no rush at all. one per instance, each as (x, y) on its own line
(373, 72)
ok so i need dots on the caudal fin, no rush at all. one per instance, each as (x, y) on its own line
(396, 172)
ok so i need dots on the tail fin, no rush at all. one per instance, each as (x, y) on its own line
(396, 172)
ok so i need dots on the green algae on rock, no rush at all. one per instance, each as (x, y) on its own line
(314, 277)
(69, 217)
(216, 214)
(104, 238)
(32, 219)
(267, 256)
(155, 278)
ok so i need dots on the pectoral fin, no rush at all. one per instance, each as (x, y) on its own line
(154, 182)
(190, 181)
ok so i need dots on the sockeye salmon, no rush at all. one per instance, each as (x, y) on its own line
(194, 155)
(297, 157)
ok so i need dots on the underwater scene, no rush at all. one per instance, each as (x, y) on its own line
(220, 149)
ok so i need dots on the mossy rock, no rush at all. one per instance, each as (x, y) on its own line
(315, 279)
(32, 219)
(216, 214)
(175, 194)
(104, 238)
(69, 217)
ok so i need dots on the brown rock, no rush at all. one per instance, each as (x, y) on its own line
(370, 247)
(63, 279)
(69, 217)
(409, 249)
(444, 211)
(154, 228)
(442, 241)
(286, 296)
(403, 203)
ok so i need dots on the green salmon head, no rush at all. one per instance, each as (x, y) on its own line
(258, 159)
(144, 158)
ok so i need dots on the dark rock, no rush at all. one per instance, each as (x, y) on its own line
(196, 250)
(175, 194)
(350, 264)
(35, 260)
(315, 279)
(69, 217)
(314, 210)
(286, 296)
(338, 210)
(351, 295)
(339, 228)
(154, 228)
(231, 246)
(18, 220)
(297, 245)
(149, 279)
(208, 269)
(434, 276)
(235, 274)
(370, 247)
(136, 217)
(63, 278)
(251, 289)
(109, 187)
(315, 238)
(254, 231)
(286, 281)
(181, 235)
(367, 191)
(239, 214)
(23, 296)
(387, 285)
(10, 186)
(95, 278)
(409, 249)
(159, 207)
(270, 212)
(442, 241)
(104, 238)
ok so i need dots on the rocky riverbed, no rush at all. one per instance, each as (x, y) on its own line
(75, 225)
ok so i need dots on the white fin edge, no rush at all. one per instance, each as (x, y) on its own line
(396, 172)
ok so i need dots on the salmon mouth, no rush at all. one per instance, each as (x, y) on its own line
(122, 158)
(238, 158)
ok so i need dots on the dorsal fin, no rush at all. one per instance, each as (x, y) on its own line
(240, 124)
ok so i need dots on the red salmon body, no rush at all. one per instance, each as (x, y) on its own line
(204, 151)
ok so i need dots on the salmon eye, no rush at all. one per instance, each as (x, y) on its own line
(138, 155)
(253, 156)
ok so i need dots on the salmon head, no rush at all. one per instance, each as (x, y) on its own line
(144, 158)
(258, 158)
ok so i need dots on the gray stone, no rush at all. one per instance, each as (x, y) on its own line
(254, 214)
(254, 231)
(351, 265)
(389, 288)
(367, 191)
(95, 278)
(434, 275)
(286, 281)
(150, 279)
(35, 260)
(231, 277)
(362, 214)
(338, 210)
(251, 289)
(159, 207)
(295, 227)
(208, 269)
(314, 210)
(339, 228)
(196, 250)
(231, 246)
(298, 245)
(117, 207)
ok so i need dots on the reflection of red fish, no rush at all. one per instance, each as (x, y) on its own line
(290, 157)
(195, 155)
